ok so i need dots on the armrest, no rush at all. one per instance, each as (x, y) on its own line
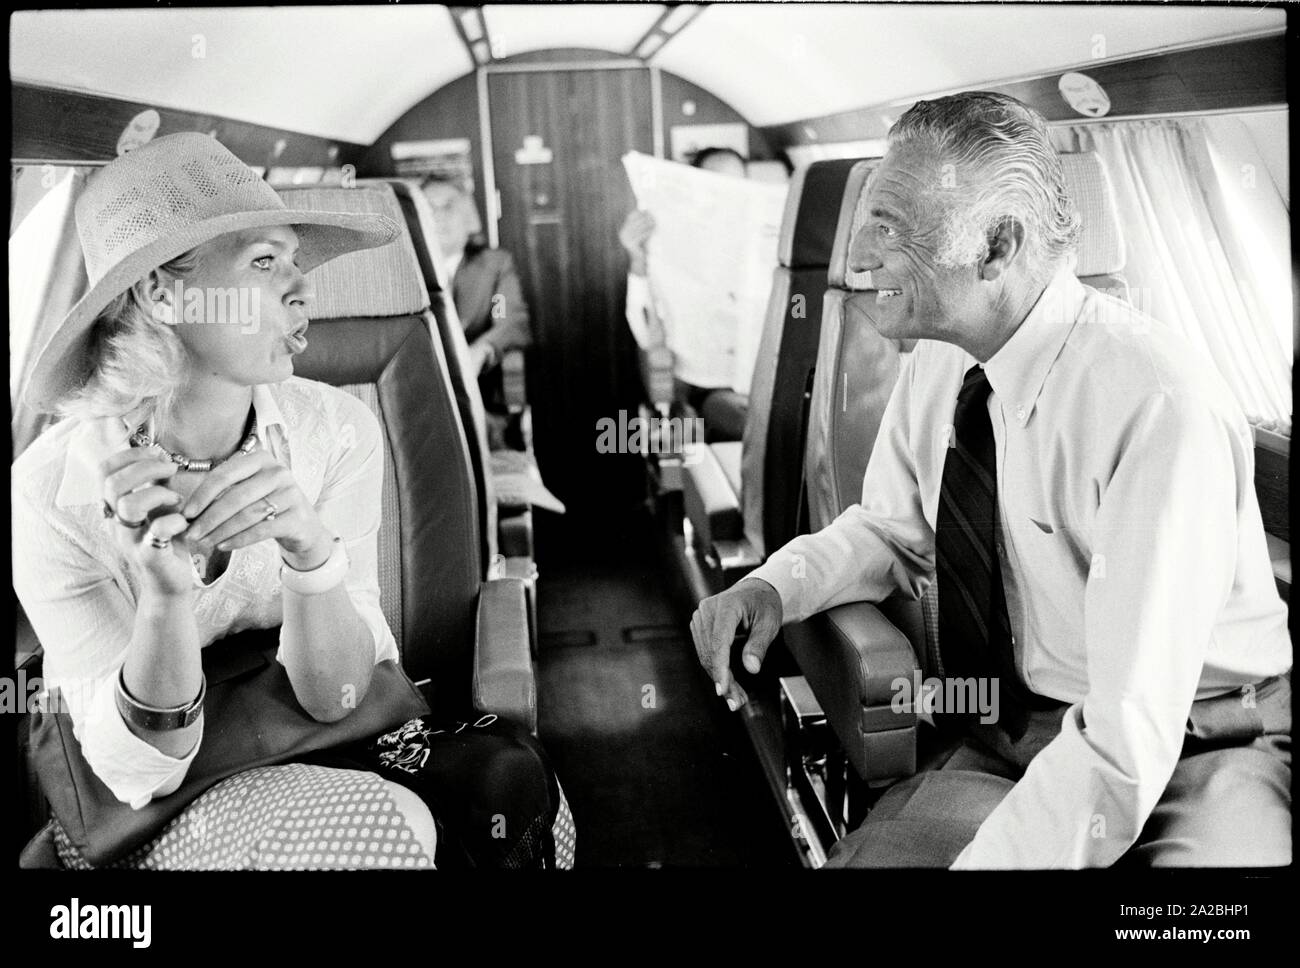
(709, 497)
(1279, 553)
(852, 656)
(504, 680)
(515, 532)
(513, 383)
(657, 375)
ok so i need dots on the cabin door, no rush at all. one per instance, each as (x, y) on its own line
(557, 140)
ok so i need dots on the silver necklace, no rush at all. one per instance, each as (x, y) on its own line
(141, 438)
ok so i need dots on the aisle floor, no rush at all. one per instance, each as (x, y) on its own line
(657, 771)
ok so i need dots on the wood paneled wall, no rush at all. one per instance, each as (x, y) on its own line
(71, 126)
(452, 112)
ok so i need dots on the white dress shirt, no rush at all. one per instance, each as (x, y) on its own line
(451, 264)
(1133, 555)
(80, 591)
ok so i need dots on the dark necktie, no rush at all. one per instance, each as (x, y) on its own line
(974, 630)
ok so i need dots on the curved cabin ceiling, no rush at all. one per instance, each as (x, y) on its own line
(349, 72)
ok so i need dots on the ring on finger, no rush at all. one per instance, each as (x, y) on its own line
(271, 509)
(162, 544)
(111, 512)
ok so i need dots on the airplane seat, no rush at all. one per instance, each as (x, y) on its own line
(850, 655)
(732, 526)
(464, 637)
(513, 533)
(1101, 254)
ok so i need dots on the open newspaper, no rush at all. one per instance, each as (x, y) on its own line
(709, 261)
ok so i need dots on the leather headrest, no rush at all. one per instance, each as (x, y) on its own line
(811, 209)
(385, 281)
(838, 275)
(1101, 241)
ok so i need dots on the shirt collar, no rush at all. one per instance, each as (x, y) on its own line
(453, 263)
(1019, 369)
(94, 440)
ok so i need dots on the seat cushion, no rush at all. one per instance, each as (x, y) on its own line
(728, 454)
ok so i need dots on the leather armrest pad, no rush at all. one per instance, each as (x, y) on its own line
(504, 679)
(515, 532)
(878, 651)
(852, 656)
(1279, 552)
(657, 374)
(710, 502)
(513, 385)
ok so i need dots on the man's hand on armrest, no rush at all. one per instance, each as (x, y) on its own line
(751, 605)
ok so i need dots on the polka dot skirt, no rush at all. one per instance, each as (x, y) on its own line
(565, 835)
(290, 817)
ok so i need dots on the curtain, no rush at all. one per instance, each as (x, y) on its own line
(1199, 258)
(46, 278)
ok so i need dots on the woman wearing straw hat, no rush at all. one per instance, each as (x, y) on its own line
(189, 471)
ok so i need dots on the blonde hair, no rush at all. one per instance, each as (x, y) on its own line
(138, 363)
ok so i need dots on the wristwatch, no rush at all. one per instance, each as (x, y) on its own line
(159, 719)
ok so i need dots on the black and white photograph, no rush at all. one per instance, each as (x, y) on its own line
(727, 455)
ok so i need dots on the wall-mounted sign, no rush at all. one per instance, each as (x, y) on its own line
(534, 152)
(140, 131)
(1084, 94)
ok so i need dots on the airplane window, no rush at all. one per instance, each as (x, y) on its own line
(43, 251)
(1207, 235)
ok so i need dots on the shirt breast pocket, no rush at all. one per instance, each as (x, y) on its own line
(1047, 548)
(1046, 527)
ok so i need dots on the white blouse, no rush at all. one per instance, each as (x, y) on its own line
(80, 590)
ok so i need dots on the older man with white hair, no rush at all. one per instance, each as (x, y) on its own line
(1080, 484)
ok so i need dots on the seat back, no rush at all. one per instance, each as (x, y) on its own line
(1101, 255)
(370, 335)
(787, 352)
(855, 374)
(447, 326)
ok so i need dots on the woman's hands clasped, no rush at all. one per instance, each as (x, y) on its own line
(247, 499)
(250, 498)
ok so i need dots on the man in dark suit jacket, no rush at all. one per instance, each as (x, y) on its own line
(485, 287)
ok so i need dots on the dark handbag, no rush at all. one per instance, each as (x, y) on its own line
(251, 719)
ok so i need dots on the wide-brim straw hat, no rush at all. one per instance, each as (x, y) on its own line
(158, 202)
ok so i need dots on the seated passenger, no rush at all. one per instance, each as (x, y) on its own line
(486, 291)
(708, 393)
(1080, 482)
(131, 557)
